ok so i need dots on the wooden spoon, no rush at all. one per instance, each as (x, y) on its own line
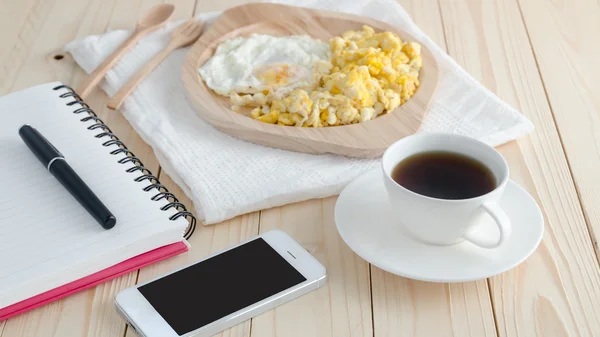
(183, 36)
(152, 20)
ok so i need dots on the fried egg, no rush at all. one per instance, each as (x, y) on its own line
(264, 64)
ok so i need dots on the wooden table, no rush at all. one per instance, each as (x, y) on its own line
(541, 56)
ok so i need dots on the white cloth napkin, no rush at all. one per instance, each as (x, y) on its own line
(224, 176)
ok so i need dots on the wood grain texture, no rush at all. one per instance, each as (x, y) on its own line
(89, 313)
(404, 307)
(553, 293)
(23, 20)
(341, 308)
(367, 139)
(564, 38)
(558, 286)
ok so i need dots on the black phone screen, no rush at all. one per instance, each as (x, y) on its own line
(209, 290)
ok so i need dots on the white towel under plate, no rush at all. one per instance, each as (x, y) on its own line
(226, 177)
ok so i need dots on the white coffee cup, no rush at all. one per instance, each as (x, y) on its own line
(442, 221)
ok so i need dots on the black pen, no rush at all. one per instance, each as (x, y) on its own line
(56, 164)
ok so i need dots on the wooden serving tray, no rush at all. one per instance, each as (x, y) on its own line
(367, 139)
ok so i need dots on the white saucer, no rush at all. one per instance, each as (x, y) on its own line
(364, 221)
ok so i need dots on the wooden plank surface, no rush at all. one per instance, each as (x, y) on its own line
(554, 293)
(404, 307)
(558, 287)
(24, 20)
(564, 37)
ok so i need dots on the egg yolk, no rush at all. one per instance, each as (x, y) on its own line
(278, 74)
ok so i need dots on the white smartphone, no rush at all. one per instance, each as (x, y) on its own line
(222, 290)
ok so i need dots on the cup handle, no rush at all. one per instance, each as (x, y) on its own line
(501, 220)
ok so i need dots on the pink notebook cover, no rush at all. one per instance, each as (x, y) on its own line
(94, 279)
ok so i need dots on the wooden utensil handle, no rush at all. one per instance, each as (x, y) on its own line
(90, 82)
(116, 101)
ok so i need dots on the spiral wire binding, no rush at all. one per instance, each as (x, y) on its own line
(163, 193)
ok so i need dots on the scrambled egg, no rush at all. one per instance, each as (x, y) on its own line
(369, 74)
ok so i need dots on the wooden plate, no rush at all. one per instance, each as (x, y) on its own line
(367, 139)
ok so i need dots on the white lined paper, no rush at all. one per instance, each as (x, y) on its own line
(47, 238)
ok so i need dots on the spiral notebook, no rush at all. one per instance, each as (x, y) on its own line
(50, 246)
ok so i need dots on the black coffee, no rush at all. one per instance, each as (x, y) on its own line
(444, 175)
